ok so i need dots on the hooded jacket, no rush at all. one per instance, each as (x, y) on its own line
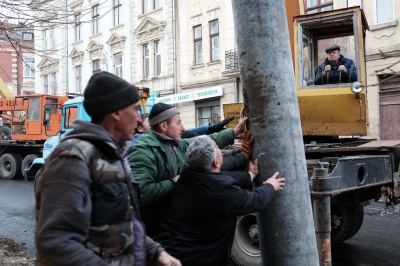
(335, 76)
(86, 204)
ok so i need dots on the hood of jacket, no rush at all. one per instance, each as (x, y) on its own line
(98, 136)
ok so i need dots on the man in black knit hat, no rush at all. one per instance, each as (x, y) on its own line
(86, 201)
(157, 159)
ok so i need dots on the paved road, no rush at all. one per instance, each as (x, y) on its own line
(376, 244)
(17, 213)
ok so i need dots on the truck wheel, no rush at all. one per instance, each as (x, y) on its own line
(35, 181)
(5, 133)
(246, 247)
(26, 163)
(358, 221)
(10, 166)
(346, 221)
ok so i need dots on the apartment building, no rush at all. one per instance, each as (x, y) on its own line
(17, 57)
(184, 52)
(77, 38)
(153, 46)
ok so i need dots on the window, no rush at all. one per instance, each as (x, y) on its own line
(78, 78)
(145, 6)
(117, 12)
(315, 6)
(46, 39)
(95, 19)
(78, 26)
(45, 82)
(198, 51)
(118, 64)
(27, 36)
(71, 114)
(146, 61)
(53, 38)
(53, 83)
(383, 11)
(157, 59)
(29, 68)
(156, 4)
(96, 65)
(214, 40)
(49, 82)
(316, 37)
(208, 114)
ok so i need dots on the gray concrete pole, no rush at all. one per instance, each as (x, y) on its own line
(286, 227)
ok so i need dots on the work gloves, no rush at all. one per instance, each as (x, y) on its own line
(217, 127)
(247, 144)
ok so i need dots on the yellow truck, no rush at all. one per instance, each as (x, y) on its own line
(346, 168)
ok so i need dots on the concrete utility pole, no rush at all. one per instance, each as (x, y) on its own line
(286, 227)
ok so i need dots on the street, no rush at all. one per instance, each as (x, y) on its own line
(377, 242)
(17, 213)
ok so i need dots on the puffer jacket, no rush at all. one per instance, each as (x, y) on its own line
(152, 168)
(86, 204)
(335, 76)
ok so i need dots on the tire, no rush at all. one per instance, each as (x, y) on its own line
(346, 222)
(246, 248)
(26, 163)
(35, 181)
(5, 133)
(10, 166)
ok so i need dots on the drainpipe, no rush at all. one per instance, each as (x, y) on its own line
(174, 46)
(237, 90)
(66, 48)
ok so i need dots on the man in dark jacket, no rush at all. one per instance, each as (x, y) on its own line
(86, 200)
(336, 68)
(157, 158)
(199, 224)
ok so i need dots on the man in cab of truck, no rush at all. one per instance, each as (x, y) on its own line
(336, 68)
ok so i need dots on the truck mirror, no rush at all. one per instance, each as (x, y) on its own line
(46, 119)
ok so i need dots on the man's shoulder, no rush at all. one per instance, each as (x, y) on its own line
(147, 139)
(74, 147)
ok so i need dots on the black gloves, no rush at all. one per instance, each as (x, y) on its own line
(217, 127)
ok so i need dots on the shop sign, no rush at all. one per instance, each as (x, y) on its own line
(191, 96)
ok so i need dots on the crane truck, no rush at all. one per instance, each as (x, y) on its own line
(28, 121)
(71, 110)
(346, 169)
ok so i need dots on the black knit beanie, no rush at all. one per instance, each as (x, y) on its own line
(161, 112)
(106, 93)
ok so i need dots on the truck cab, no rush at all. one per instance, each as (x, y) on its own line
(331, 109)
(71, 110)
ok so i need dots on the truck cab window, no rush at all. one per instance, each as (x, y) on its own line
(339, 67)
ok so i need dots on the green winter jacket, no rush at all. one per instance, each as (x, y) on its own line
(152, 168)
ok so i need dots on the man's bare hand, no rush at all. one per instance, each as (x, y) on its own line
(176, 178)
(242, 123)
(342, 69)
(167, 260)
(253, 169)
(326, 69)
(278, 183)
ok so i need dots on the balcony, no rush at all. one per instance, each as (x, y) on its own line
(231, 64)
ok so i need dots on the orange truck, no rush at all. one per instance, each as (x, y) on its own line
(26, 123)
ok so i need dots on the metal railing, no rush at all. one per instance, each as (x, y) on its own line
(231, 61)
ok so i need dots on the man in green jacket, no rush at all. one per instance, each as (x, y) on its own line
(158, 157)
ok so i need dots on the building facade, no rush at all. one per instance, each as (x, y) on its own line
(75, 39)
(17, 65)
(184, 52)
